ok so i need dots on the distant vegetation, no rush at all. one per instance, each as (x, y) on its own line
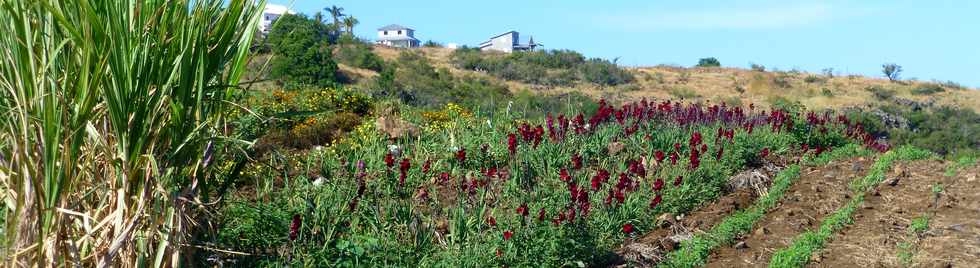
(303, 56)
(550, 67)
(892, 71)
(709, 62)
(945, 130)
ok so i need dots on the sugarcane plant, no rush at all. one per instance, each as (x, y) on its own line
(109, 117)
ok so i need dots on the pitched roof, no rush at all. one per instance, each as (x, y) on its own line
(396, 38)
(394, 27)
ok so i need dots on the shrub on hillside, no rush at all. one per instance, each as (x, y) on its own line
(603, 72)
(359, 55)
(302, 53)
(549, 67)
(880, 93)
(709, 62)
(758, 67)
(928, 89)
(943, 130)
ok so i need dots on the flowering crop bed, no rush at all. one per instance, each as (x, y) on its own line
(492, 190)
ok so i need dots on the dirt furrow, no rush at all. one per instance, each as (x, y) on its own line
(881, 233)
(818, 193)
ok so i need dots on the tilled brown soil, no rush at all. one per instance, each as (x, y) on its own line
(953, 239)
(653, 246)
(819, 192)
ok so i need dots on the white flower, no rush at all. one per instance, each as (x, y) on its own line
(394, 150)
(319, 181)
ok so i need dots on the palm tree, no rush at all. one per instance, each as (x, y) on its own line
(350, 22)
(336, 12)
(318, 17)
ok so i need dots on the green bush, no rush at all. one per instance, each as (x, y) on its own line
(928, 89)
(603, 72)
(549, 67)
(881, 93)
(303, 56)
(359, 55)
(709, 62)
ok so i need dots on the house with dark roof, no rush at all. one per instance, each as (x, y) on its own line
(395, 35)
(508, 42)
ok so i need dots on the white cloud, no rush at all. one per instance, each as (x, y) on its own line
(773, 17)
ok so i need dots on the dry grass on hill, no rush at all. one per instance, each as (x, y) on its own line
(732, 85)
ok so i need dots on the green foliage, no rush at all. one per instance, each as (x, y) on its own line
(431, 43)
(359, 55)
(303, 56)
(782, 80)
(892, 71)
(111, 113)
(549, 67)
(814, 79)
(708, 62)
(603, 72)
(945, 130)
(757, 67)
(394, 225)
(881, 93)
(928, 89)
(826, 92)
(919, 225)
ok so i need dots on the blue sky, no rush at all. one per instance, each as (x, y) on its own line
(930, 39)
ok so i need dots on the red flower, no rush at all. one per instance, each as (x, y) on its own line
(628, 228)
(444, 177)
(507, 235)
(576, 162)
(677, 147)
(491, 221)
(405, 165)
(522, 210)
(389, 160)
(658, 185)
(512, 143)
(678, 180)
(294, 228)
(461, 155)
(673, 158)
(659, 155)
(563, 174)
(541, 214)
(656, 201)
(764, 152)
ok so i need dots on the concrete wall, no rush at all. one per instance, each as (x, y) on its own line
(405, 33)
(503, 43)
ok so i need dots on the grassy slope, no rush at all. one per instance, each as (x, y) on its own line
(719, 84)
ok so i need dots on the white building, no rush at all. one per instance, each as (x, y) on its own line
(507, 42)
(270, 14)
(395, 35)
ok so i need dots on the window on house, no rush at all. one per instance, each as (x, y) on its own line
(399, 32)
(386, 32)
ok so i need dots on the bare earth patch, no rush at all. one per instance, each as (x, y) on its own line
(818, 193)
(882, 223)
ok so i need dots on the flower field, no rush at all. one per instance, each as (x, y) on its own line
(498, 190)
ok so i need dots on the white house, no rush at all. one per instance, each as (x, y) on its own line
(507, 42)
(270, 14)
(395, 35)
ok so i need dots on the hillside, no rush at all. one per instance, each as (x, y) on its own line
(730, 85)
